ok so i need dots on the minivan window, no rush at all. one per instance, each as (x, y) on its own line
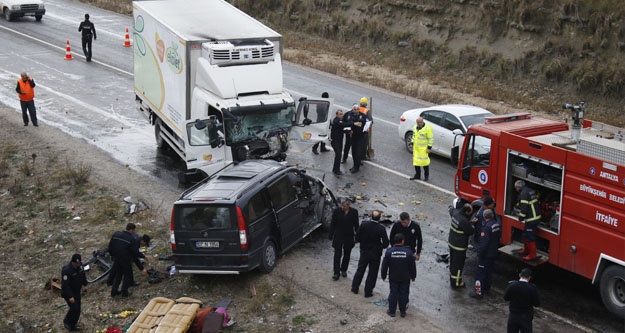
(282, 193)
(205, 217)
(257, 207)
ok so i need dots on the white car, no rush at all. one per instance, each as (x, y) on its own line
(19, 8)
(446, 121)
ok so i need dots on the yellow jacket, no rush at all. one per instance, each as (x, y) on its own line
(422, 140)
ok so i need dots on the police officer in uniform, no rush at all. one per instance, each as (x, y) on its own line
(487, 248)
(530, 216)
(348, 117)
(478, 218)
(88, 33)
(523, 297)
(411, 231)
(73, 282)
(400, 266)
(422, 142)
(342, 230)
(122, 247)
(373, 239)
(458, 241)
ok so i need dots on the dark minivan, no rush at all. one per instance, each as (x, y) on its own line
(246, 215)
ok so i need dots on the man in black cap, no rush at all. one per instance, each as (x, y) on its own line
(523, 297)
(88, 34)
(124, 250)
(73, 282)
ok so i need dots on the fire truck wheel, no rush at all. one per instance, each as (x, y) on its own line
(612, 287)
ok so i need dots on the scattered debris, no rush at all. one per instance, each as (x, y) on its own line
(442, 257)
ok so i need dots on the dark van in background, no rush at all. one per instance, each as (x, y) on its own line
(243, 217)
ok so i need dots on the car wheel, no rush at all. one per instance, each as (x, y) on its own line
(38, 17)
(7, 15)
(408, 141)
(612, 288)
(268, 260)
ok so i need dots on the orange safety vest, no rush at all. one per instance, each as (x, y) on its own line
(28, 91)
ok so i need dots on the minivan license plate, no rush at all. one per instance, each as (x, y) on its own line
(207, 245)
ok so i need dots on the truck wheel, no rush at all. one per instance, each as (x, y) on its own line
(270, 255)
(38, 17)
(612, 288)
(7, 15)
(408, 141)
(160, 142)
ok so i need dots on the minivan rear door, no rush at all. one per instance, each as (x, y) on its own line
(286, 208)
(205, 235)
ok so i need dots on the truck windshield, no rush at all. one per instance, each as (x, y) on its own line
(257, 122)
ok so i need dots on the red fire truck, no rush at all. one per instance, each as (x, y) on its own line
(579, 174)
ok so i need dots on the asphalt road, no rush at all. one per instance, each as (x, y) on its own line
(95, 101)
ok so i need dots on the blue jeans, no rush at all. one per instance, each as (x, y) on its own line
(399, 293)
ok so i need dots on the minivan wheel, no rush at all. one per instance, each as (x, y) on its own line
(268, 262)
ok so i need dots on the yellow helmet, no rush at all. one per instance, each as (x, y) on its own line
(364, 100)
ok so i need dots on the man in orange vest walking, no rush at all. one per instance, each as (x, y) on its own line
(26, 92)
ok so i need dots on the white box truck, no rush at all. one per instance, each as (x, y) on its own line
(208, 77)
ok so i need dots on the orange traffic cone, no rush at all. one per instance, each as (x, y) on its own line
(127, 40)
(68, 52)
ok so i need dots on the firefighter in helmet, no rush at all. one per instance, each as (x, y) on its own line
(530, 216)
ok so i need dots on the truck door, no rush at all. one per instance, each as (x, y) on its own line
(205, 146)
(476, 173)
(311, 124)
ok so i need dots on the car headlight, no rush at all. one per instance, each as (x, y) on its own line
(15, 7)
(42, 6)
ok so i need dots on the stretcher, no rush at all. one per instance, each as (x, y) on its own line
(163, 315)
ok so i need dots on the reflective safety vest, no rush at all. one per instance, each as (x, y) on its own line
(421, 140)
(28, 91)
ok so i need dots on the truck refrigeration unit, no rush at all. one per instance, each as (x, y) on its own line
(208, 77)
(579, 175)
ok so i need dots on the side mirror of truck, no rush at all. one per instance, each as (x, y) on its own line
(455, 150)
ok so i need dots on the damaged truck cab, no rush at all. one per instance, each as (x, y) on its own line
(208, 77)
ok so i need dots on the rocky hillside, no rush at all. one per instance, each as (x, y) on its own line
(533, 54)
(529, 54)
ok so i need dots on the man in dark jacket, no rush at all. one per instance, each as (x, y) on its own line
(400, 266)
(487, 249)
(373, 239)
(73, 282)
(342, 230)
(459, 233)
(122, 247)
(411, 231)
(523, 297)
(88, 33)
(338, 126)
